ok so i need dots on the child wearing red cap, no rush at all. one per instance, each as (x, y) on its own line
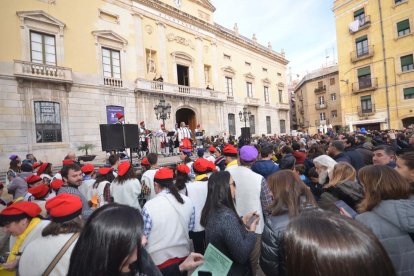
(211, 158)
(40, 193)
(45, 171)
(182, 178)
(101, 188)
(88, 179)
(126, 188)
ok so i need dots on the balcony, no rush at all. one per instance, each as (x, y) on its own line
(367, 111)
(322, 122)
(363, 53)
(362, 24)
(320, 90)
(114, 82)
(25, 70)
(320, 105)
(145, 85)
(335, 120)
(283, 106)
(365, 85)
(252, 101)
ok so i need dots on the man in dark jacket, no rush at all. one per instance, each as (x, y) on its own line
(265, 167)
(384, 155)
(288, 160)
(299, 155)
(366, 151)
(357, 159)
(336, 151)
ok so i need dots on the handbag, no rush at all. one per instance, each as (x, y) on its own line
(145, 189)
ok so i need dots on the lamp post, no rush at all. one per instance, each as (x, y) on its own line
(162, 111)
(245, 115)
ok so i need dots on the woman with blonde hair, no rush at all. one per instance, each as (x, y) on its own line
(342, 186)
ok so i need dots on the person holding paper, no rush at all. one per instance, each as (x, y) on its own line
(225, 230)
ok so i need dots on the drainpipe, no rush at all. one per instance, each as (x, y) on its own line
(385, 65)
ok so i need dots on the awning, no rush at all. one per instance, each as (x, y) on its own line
(367, 122)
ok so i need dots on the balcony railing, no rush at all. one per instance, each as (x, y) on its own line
(43, 72)
(364, 23)
(180, 89)
(252, 101)
(366, 111)
(113, 82)
(322, 122)
(320, 90)
(363, 53)
(283, 106)
(365, 84)
(320, 105)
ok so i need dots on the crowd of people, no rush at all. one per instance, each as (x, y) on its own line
(334, 203)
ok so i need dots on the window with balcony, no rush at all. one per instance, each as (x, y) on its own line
(229, 86)
(232, 124)
(321, 100)
(403, 27)
(111, 63)
(333, 97)
(268, 125)
(407, 63)
(362, 46)
(249, 89)
(280, 96)
(266, 93)
(409, 93)
(322, 116)
(334, 114)
(42, 48)
(320, 84)
(47, 122)
(359, 15)
(364, 78)
(332, 81)
(252, 125)
(366, 104)
(282, 126)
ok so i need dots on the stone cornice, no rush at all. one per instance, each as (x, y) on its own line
(206, 4)
(215, 29)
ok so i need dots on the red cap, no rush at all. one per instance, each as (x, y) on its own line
(105, 170)
(35, 165)
(119, 115)
(210, 166)
(39, 191)
(198, 125)
(212, 149)
(1, 186)
(33, 179)
(42, 168)
(19, 210)
(145, 161)
(183, 169)
(229, 150)
(67, 161)
(123, 168)
(200, 166)
(142, 123)
(64, 207)
(164, 176)
(56, 184)
(162, 125)
(87, 168)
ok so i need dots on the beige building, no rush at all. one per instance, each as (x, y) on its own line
(317, 101)
(68, 66)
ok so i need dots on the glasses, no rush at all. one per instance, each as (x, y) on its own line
(233, 183)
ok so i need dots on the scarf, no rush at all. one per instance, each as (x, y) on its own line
(232, 163)
(218, 160)
(201, 177)
(20, 239)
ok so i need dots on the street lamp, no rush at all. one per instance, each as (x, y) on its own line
(162, 111)
(245, 115)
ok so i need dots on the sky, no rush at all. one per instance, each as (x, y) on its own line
(305, 29)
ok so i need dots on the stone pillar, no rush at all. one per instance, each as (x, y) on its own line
(139, 48)
(215, 65)
(162, 53)
(199, 59)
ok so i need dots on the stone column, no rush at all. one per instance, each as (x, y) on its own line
(215, 65)
(162, 53)
(199, 46)
(139, 48)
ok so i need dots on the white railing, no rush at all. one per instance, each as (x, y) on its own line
(115, 82)
(38, 71)
(253, 101)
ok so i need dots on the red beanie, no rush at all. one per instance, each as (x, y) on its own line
(123, 168)
(19, 210)
(164, 176)
(56, 184)
(64, 207)
(105, 170)
(42, 168)
(142, 123)
(162, 125)
(229, 150)
(67, 161)
(212, 149)
(39, 191)
(200, 166)
(210, 166)
(119, 115)
(35, 165)
(183, 169)
(33, 179)
(145, 161)
(198, 125)
(87, 168)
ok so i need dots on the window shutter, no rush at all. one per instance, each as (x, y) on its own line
(408, 91)
(365, 98)
(403, 25)
(407, 60)
(364, 71)
(362, 38)
(359, 12)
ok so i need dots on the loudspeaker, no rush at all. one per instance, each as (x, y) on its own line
(245, 132)
(112, 137)
(131, 136)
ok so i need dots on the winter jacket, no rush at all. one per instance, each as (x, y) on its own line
(299, 156)
(342, 157)
(392, 164)
(367, 155)
(398, 149)
(287, 162)
(265, 167)
(357, 159)
(350, 192)
(273, 254)
(308, 163)
(391, 221)
(18, 186)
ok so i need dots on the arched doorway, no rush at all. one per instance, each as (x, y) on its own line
(187, 116)
(408, 121)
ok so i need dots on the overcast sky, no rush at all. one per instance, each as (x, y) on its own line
(303, 28)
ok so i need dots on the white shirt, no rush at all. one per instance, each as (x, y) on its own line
(184, 132)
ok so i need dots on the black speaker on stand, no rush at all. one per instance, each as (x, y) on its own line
(245, 131)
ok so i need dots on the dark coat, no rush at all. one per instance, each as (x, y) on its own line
(287, 162)
(308, 163)
(265, 168)
(342, 157)
(350, 192)
(357, 159)
(367, 155)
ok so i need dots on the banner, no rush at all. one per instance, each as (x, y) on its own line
(111, 113)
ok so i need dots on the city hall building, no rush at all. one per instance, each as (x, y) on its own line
(68, 66)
